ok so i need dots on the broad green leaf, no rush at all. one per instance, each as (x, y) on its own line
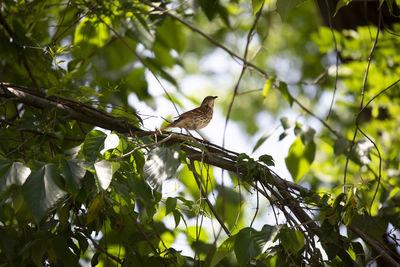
(40, 190)
(210, 8)
(170, 205)
(72, 173)
(267, 159)
(163, 55)
(268, 84)
(292, 240)
(111, 141)
(92, 31)
(161, 164)
(299, 158)
(143, 192)
(12, 173)
(286, 123)
(340, 146)
(305, 132)
(170, 35)
(177, 217)
(283, 7)
(257, 4)
(93, 144)
(104, 172)
(94, 208)
(193, 234)
(249, 243)
(223, 251)
(62, 246)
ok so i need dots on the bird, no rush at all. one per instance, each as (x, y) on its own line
(195, 119)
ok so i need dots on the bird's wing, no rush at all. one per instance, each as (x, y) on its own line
(191, 113)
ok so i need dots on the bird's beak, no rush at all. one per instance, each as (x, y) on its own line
(214, 97)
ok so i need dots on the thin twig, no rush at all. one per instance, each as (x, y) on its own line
(337, 58)
(362, 100)
(204, 195)
(144, 146)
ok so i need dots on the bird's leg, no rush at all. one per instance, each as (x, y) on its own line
(205, 139)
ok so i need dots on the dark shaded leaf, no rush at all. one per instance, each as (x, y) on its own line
(292, 240)
(283, 7)
(93, 144)
(41, 191)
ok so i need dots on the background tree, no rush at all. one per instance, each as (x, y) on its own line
(81, 170)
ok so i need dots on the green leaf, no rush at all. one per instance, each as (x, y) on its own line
(72, 173)
(340, 4)
(161, 164)
(340, 146)
(12, 173)
(263, 139)
(283, 7)
(94, 208)
(286, 123)
(163, 55)
(41, 191)
(250, 243)
(210, 8)
(223, 251)
(267, 159)
(170, 35)
(305, 132)
(292, 240)
(299, 158)
(170, 205)
(92, 31)
(285, 92)
(177, 217)
(104, 172)
(143, 192)
(93, 144)
(257, 4)
(268, 84)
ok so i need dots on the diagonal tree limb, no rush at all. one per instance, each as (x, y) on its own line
(214, 155)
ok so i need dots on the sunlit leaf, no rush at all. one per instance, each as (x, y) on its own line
(12, 173)
(104, 172)
(340, 4)
(257, 4)
(299, 158)
(161, 164)
(92, 31)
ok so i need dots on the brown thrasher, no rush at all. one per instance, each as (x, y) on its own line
(196, 118)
